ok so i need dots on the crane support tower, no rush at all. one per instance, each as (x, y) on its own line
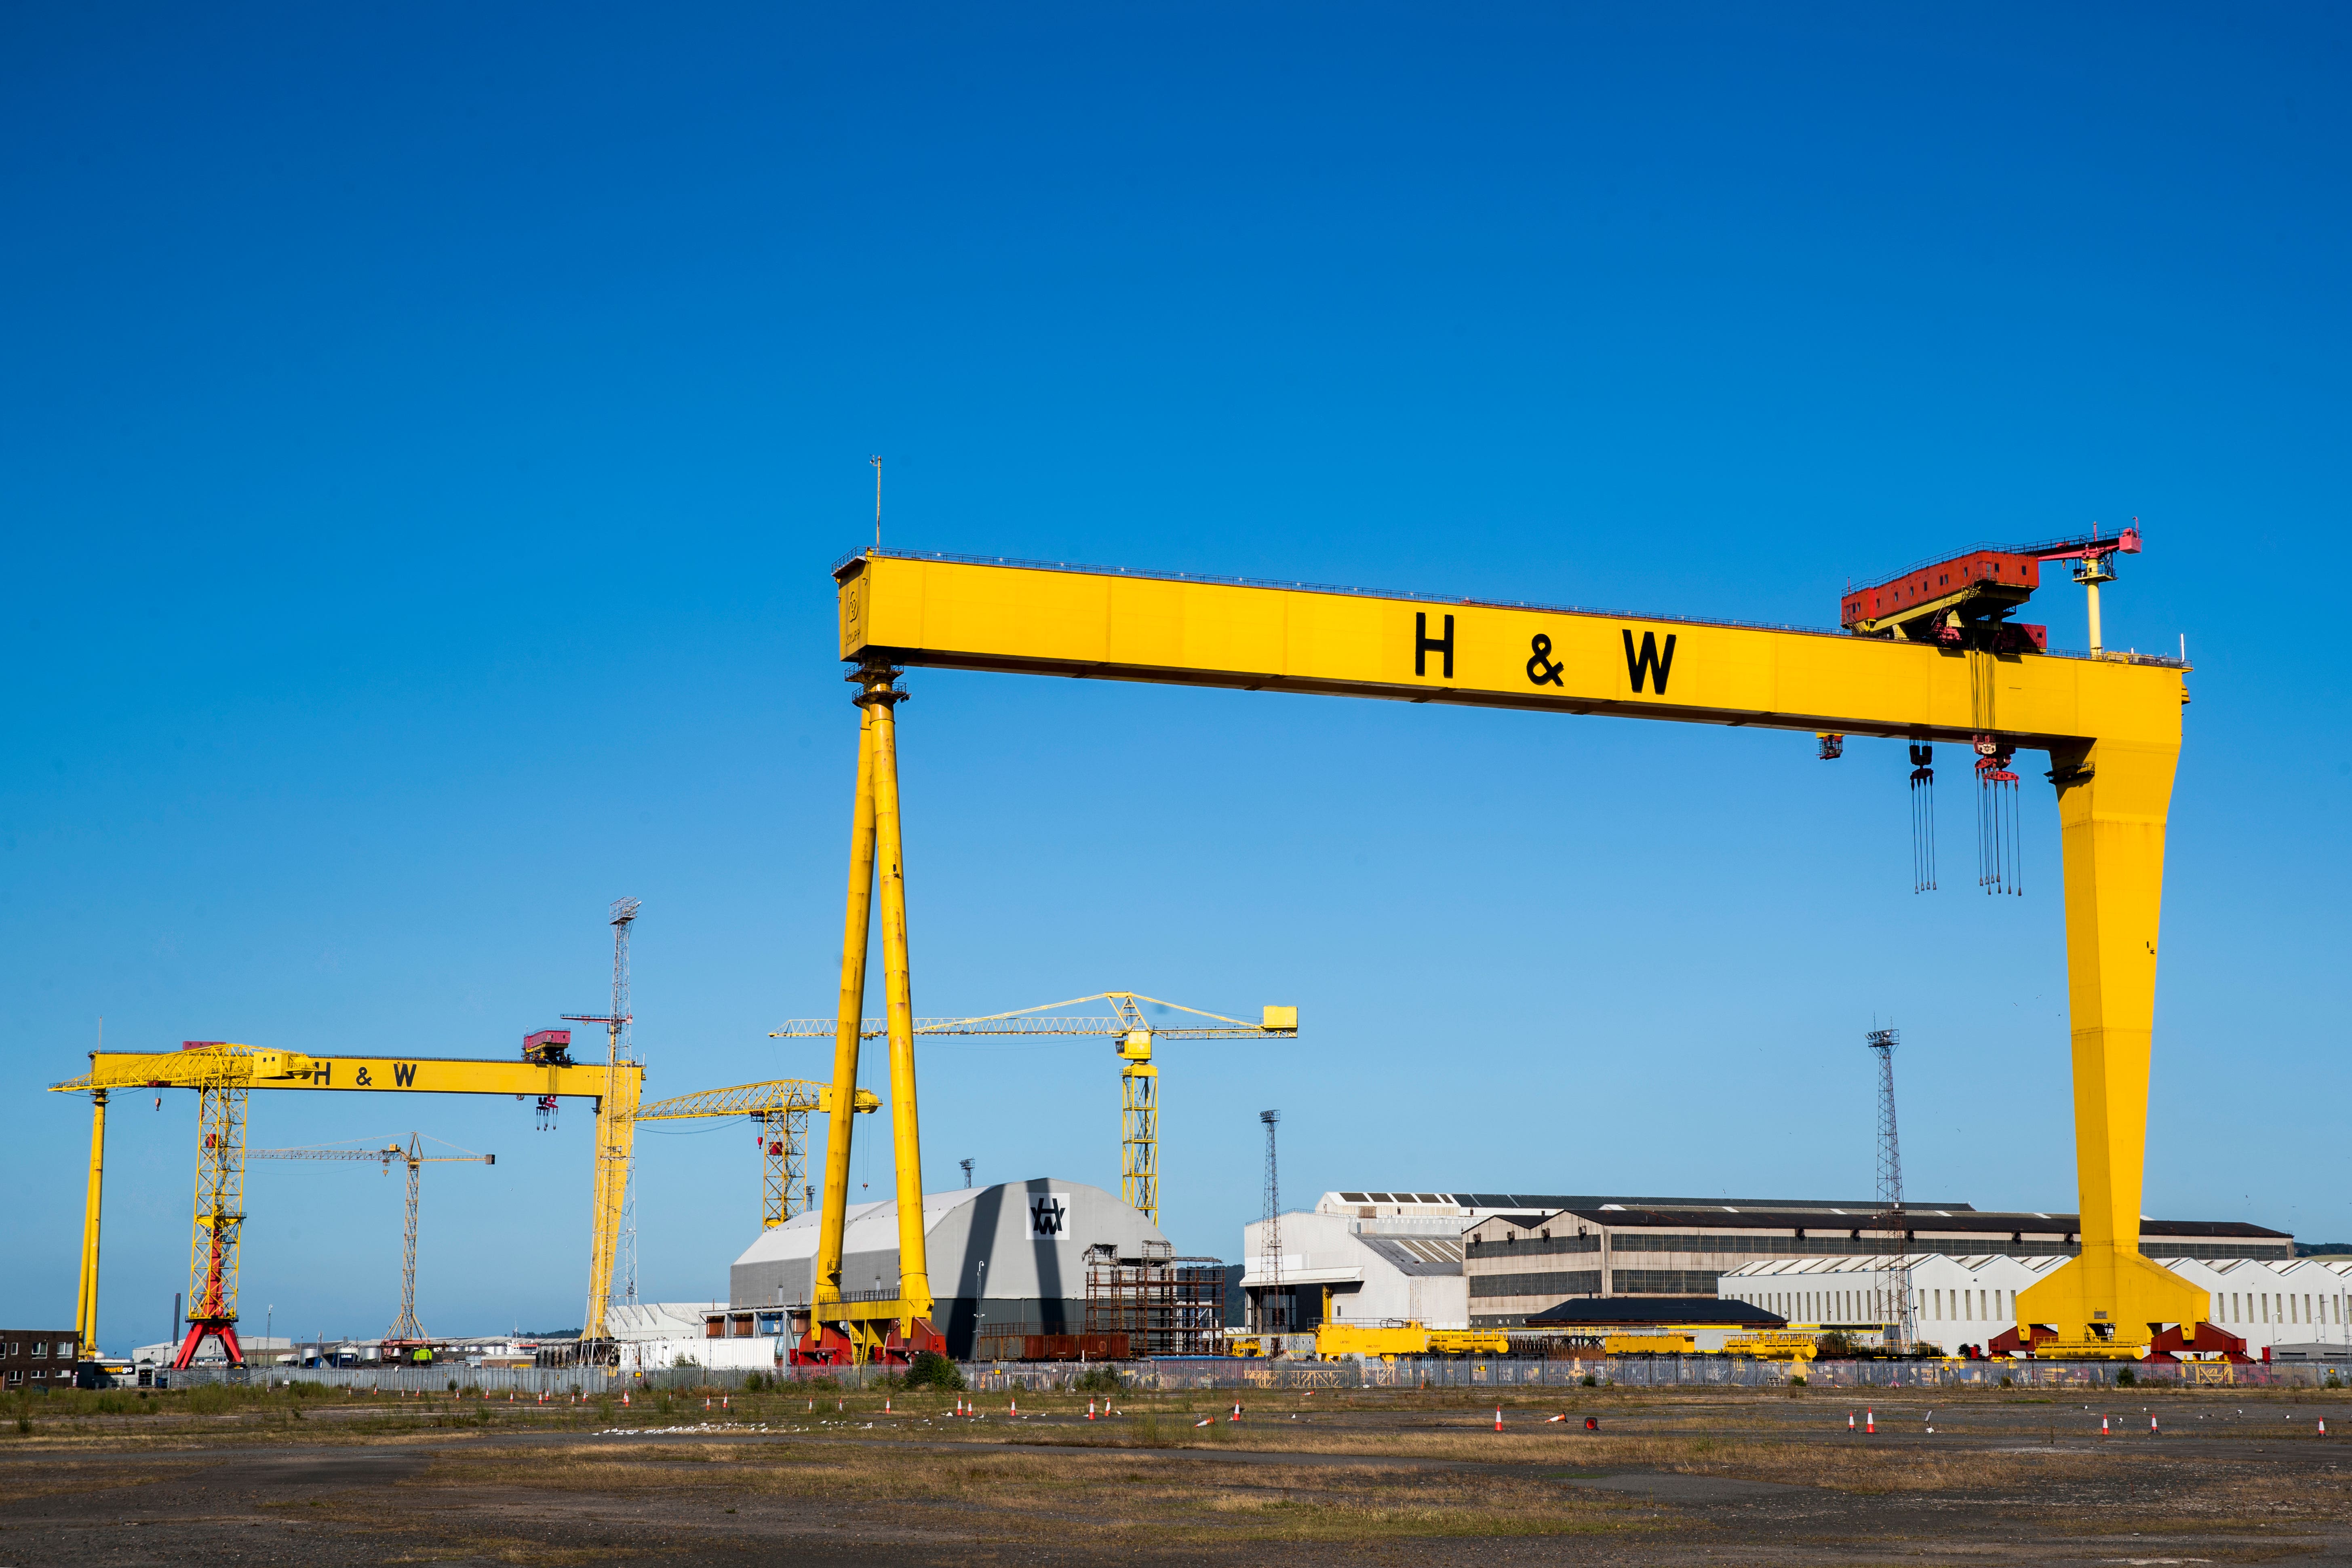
(2110, 723)
(224, 1073)
(1131, 1034)
(781, 1107)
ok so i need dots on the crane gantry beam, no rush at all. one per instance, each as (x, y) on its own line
(781, 1107)
(224, 1073)
(2110, 722)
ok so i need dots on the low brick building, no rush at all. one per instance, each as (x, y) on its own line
(38, 1358)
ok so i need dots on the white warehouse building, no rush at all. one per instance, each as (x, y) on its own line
(2299, 1306)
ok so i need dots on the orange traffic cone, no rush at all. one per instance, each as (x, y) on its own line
(1550, 1419)
(1090, 1409)
(1870, 1422)
(1238, 1411)
(2323, 1426)
(1498, 1418)
(1849, 1420)
(1205, 1421)
(2103, 1425)
(2151, 1426)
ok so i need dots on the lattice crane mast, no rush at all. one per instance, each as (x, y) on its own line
(404, 1329)
(1131, 1034)
(781, 1107)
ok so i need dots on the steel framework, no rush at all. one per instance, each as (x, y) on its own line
(213, 1249)
(781, 1107)
(404, 1329)
(1132, 1036)
(1166, 1305)
(1895, 1278)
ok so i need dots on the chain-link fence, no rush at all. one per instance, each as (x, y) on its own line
(1178, 1373)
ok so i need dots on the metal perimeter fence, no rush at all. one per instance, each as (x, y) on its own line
(1180, 1373)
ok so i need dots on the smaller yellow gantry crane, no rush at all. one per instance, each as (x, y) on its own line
(781, 1107)
(1131, 1034)
(404, 1330)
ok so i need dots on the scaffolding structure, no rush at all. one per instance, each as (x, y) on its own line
(1164, 1304)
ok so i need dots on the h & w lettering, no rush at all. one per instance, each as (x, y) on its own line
(1423, 645)
(1646, 665)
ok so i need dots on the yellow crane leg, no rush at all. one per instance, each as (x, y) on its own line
(86, 1304)
(2112, 800)
(907, 1151)
(857, 916)
(616, 1128)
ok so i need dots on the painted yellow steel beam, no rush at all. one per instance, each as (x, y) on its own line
(2111, 725)
(1029, 620)
(256, 1069)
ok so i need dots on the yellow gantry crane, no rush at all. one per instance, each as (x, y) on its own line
(1132, 1036)
(2110, 722)
(223, 1074)
(404, 1329)
(781, 1107)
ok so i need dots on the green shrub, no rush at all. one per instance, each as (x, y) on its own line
(1098, 1380)
(2124, 1378)
(755, 1382)
(1798, 1381)
(1590, 1381)
(932, 1370)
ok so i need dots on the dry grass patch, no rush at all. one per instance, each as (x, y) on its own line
(1104, 1497)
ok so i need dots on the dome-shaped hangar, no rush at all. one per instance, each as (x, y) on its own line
(1005, 1259)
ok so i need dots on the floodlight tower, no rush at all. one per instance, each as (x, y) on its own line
(1894, 1294)
(1270, 1242)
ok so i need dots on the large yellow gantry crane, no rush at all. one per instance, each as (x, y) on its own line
(781, 1107)
(223, 1074)
(1132, 1036)
(2109, 722)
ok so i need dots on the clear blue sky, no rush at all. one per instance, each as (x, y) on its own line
(424, 432)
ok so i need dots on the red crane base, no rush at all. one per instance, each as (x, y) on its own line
(221, 1329)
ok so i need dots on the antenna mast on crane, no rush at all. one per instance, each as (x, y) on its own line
(615, 1182)
(1895, 1281)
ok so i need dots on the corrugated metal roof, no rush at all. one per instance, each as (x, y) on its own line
(1423, 1254)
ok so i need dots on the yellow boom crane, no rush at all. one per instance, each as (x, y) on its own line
(223, 1074)
(1959, 672)
(1132, 1036)
(781, 1107)
(404, 1329)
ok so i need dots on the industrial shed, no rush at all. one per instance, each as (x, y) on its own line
(1006, 1260)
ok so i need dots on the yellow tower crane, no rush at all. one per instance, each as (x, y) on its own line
(1131, 1034)
(781, 1108)
(404, 1330)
